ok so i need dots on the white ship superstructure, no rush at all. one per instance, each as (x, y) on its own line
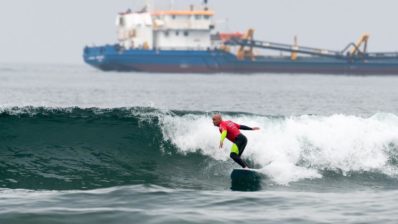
(168, 30)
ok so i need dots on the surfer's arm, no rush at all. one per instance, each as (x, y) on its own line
(223, 136)
(244, 127)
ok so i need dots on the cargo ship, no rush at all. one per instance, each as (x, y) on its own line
(185, 41)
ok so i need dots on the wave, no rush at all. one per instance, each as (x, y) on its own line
(75, 148)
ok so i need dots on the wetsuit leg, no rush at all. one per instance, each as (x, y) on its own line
(237, 150)
(241, 142)
(238, 160)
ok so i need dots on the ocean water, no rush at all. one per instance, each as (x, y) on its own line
(83, 146)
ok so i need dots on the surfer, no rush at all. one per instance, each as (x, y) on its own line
(230, 130)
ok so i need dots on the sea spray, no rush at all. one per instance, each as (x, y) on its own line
(298, 147)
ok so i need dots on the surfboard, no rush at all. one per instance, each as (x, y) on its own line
(247, 174)
(246, 179)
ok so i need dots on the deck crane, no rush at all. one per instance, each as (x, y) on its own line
(246, 53)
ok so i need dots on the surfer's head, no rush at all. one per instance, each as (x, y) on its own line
(217, 119)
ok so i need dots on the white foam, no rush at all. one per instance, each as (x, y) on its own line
(297, 147)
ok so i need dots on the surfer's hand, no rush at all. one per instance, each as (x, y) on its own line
(256, 128)
(221, 144)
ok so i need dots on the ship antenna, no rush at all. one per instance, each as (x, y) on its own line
(205, 3)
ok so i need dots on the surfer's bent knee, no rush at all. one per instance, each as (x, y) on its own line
(234, 156)
(235, 149)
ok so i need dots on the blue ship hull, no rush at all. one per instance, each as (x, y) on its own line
(113, 58)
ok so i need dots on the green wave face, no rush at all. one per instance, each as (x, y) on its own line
(89, 148)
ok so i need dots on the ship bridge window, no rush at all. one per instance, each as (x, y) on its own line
(166, 33)
(198, 17)
(207, 17)
(177, 33)
(174, 17)
(121, 21)
(186, 33)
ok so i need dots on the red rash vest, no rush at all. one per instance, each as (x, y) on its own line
(231, 128)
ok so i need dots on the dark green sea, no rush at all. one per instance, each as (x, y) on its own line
(82, 146)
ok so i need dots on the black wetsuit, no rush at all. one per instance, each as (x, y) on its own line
(241, 142)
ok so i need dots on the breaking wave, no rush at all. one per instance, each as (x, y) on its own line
(74, 148)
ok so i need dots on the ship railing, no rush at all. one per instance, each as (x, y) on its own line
(382, 55)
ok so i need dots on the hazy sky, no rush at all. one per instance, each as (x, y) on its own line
(55, 31)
